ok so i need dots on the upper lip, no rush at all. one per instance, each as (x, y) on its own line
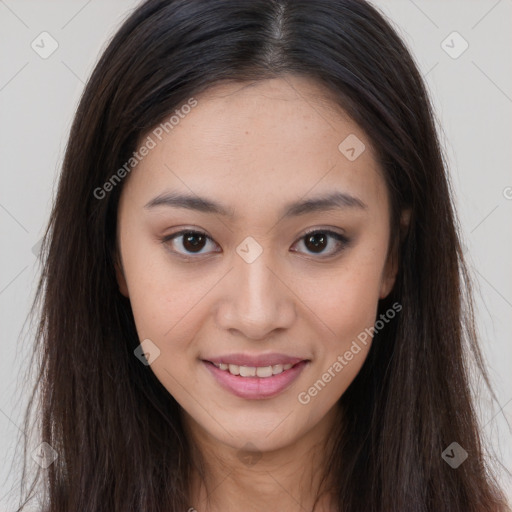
(255, 360)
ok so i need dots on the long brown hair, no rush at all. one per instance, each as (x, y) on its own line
(117, 431)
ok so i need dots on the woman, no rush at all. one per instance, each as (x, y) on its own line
(254, 295)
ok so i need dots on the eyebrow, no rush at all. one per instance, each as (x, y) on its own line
(331, 201)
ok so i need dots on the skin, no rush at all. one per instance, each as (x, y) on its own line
(254, 148)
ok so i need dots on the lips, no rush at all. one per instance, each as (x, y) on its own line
(256, 387)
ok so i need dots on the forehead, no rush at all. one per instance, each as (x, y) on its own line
(257, 141)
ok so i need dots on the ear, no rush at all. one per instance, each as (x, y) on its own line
(391, 268)
(121, 280)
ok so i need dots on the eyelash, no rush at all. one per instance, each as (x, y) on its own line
(342, 240)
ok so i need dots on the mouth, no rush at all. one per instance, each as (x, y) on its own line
(255, 382)
(263, 372)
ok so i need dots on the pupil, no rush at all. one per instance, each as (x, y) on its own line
(194, 246)
(317, 238)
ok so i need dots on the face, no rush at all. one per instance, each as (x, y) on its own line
(271, 268)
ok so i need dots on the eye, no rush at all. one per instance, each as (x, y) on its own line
(189, 241)
(316, 241)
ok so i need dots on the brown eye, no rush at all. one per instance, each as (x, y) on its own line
(187, 242)
(193, 242)
(317, 241)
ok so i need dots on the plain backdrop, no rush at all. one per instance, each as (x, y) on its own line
(463, 49)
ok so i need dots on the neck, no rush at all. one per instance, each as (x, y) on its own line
(290, 478)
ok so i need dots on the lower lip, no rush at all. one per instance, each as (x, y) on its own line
(256, 388)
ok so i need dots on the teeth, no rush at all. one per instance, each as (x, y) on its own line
(234, 369)
(277, 368)
(253, 371)
(264, 371)
(247, 371)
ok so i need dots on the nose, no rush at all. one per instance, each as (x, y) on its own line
(257, 299)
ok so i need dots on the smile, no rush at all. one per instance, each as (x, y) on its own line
(253, 371)
(255, 382)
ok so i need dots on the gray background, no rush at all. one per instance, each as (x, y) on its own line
(473, 99)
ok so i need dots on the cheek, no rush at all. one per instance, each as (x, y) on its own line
(166, 315)
(168, 311)
(346, 307)
(159, 296)
(347, 312)
(346, 300)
